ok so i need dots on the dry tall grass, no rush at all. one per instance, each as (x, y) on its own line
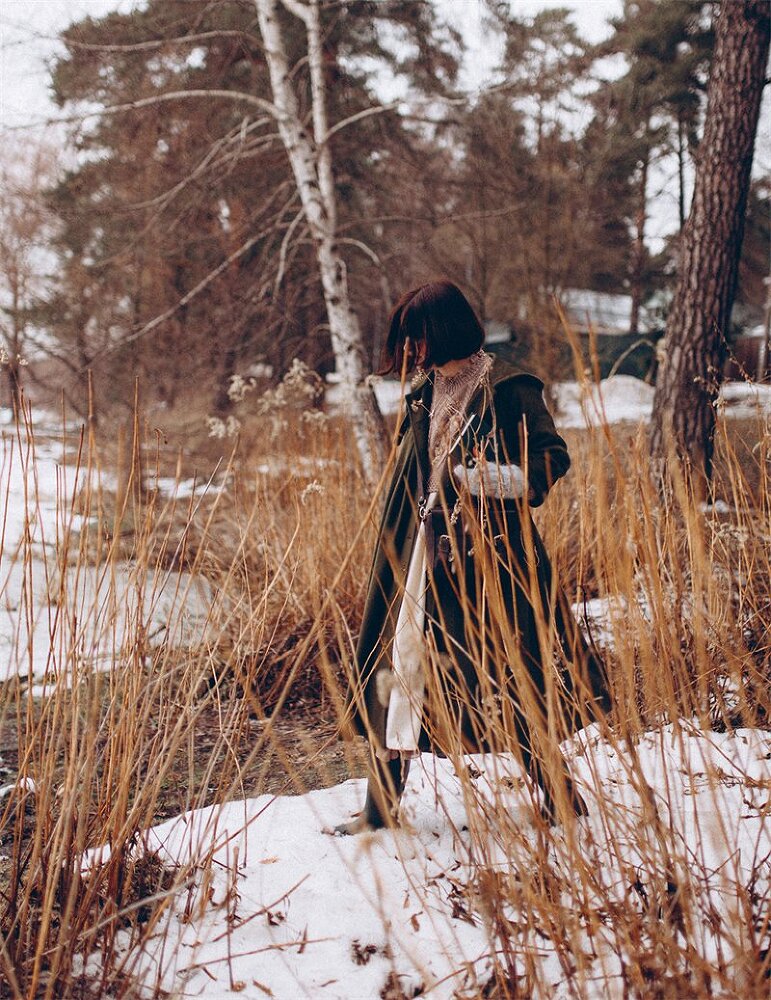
(128, 728)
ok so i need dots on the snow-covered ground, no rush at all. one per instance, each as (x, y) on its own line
(49, 606)
(625, 398)
(277, 907)
(614, 400)
(288, 911)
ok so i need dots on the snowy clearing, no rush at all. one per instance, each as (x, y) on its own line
(620, 398)
(48, 609)
(623, 398)
(277, 907)
(285, 910)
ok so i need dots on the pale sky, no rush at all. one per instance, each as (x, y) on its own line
(28, 30)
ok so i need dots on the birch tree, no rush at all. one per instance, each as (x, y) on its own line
(310, 157)
(183, 223)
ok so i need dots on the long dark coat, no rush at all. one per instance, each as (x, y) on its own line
(508, 422)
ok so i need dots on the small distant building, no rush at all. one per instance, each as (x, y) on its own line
(605, 317)
(603, 313)
(497, 332)
(502, 340)
(600, 323)
(748, 356)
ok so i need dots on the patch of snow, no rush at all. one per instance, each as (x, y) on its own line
(287, 911)
(177, 489)
(744, 400)
(388, 393)
(615, 399)
(26, 784)
(718, 507)
(50, 615)
(100, 612)
(598, 616)
(624, 398)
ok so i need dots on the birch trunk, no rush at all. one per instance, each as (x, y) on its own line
(311, 163)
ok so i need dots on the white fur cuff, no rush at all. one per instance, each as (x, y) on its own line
(506, 482)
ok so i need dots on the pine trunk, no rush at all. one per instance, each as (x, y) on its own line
(680, 170)
(690, 372)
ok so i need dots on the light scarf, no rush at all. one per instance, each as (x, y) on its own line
(450, 400)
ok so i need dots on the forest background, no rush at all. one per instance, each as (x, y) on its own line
(167, 241)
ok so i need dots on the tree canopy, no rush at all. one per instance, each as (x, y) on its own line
(185, 251)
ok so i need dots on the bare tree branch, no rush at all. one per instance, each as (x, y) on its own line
(299, 9)
(174, 95)
(203, 36)
(189, 296)
(378, 109)
(361, 245)
(209, 161)
(284, 245)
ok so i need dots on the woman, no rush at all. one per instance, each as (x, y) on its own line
(462, 617)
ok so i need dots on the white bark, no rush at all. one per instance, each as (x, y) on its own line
(311, 163)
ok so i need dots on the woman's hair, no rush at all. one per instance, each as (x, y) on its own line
(439, 323)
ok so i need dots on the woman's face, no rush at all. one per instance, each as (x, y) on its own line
(416, 352)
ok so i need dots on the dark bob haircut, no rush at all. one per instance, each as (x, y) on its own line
(433, 324)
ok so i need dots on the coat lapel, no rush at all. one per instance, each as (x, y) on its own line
(419, 409)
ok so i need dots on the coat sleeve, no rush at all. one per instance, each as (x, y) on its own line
(526, 435)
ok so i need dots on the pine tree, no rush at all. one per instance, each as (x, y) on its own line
(651, 110)
(525, 223)
(689, 376)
